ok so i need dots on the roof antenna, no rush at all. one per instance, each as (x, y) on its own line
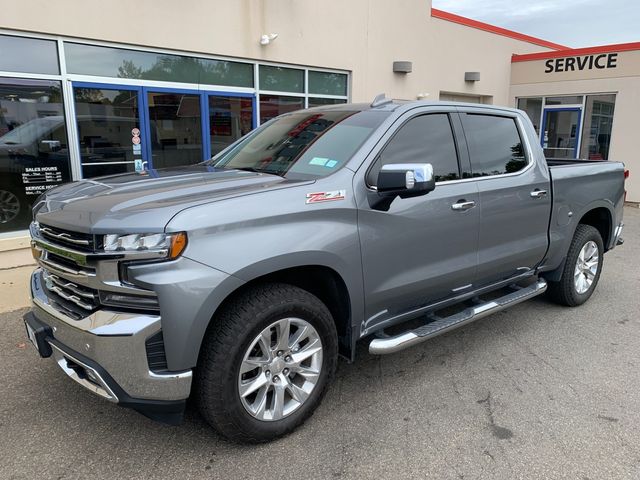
(380, 100)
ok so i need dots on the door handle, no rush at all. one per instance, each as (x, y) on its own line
(538, 193)
(462, 205)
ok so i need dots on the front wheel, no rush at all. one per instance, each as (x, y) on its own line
(266, 362)
(581, 270)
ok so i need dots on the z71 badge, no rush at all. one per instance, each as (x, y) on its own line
(326, 196)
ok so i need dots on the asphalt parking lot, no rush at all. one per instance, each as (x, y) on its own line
(538, 391)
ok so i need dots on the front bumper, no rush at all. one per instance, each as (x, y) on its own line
(105, 352)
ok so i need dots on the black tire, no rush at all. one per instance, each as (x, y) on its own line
(564, 292)
(228, 338)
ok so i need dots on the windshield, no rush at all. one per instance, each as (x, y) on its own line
(304, 144)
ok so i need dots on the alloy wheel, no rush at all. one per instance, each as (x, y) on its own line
(586, 267)
(280, 369)
(9, 206)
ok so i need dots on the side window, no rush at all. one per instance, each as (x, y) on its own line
(495, 146)
(424, 139)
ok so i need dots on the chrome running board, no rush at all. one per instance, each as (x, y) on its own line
(440, 325)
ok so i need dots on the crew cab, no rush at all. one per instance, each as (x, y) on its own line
(241, 280)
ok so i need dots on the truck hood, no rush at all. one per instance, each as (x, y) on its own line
(134, 202)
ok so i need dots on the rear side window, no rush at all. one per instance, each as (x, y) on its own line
(423, 139)
(495, 146)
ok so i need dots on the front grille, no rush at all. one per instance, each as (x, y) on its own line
(79, 241)
(156, 356)
(76, 300)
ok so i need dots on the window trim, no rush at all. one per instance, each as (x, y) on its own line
(393, 135)
(528, 151)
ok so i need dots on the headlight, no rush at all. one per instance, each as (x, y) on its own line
(173, 243)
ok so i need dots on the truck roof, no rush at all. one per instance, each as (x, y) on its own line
(400, 106)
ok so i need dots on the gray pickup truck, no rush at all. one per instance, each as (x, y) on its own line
(239, 281)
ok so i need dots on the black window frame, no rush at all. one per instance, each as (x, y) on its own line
(523, 141)
(452, 126)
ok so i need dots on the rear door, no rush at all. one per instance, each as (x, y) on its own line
(515, 197)
(423, 248)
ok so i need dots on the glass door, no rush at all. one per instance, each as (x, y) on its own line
(175, 127)
(110, 128)
(560, 132)
(126, 128)
(230, 116)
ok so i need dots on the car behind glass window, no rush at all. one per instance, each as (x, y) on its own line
(495, 146)
(424, 139)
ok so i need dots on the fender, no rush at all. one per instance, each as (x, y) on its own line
(562, 235)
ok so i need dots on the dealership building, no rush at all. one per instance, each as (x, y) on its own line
(87, 92)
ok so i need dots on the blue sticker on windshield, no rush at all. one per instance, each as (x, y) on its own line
(323, 162)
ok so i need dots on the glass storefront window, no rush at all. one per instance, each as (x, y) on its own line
(280, 79)
(105, 121)
(34, 150)
(568, 100)
(28, 55)
(229, 119)
(327, 83)
(273, 105)
(318, 102)
(124, 63)
(176, 129)
(533, 109)
(596, 131)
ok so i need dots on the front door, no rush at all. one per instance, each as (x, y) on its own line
(560, 132)
(425, 248)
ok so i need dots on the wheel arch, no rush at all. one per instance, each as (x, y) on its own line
(324, 282)
(598, 214)
(601, 218)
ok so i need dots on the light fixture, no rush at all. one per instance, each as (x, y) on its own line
(267, 39)
(422, 95)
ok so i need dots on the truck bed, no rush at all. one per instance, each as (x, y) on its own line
(579, 186)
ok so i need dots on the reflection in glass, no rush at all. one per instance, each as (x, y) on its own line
(567, 100)
(327, 83)
(596, 132)
(28, 55)
(273, 105)
(423, 139)
(176, 133)
(229, 118)
(34, 151)
(495, 146)
(280, 79)
(560, 136)
(318, 102)
(124, 63)
(533, 109)
(306, 144)
(106, 119)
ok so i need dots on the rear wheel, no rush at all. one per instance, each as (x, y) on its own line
(581, 270)
(266, 362)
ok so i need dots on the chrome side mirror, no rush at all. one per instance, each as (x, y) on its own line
(402, 180)
(405, 179)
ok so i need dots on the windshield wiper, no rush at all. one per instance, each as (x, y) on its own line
(252, 169)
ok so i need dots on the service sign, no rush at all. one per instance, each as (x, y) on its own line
(577, 64)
